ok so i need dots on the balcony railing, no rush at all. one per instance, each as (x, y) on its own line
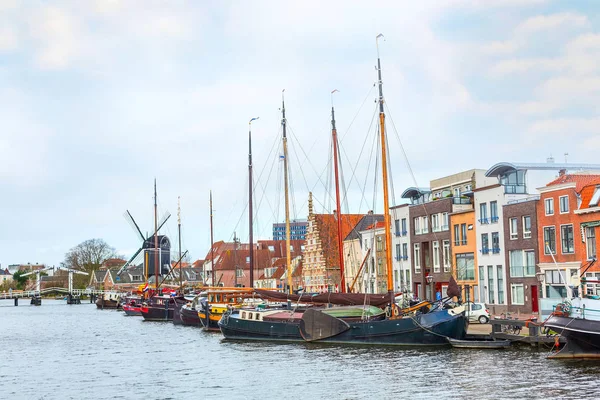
(485, 250)
(461, 200)
(496, 250)
(494, 219)
(436, 229)
(398, 258)
(463, 242)
(484, 221)
(397, 233)
(404, 258)
(404, 233)
(520, 271)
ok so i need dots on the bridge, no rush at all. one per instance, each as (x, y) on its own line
(36, 294)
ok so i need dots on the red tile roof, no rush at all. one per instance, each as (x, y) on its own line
(580, 180)
(376, 225)
(586, 195)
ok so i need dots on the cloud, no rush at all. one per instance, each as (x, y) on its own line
(8, 38)
(552, 22)
(568, 127)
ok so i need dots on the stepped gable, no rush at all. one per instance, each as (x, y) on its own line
(327, 227)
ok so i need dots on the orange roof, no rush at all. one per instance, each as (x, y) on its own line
(376, 225)
(586, 195)
(580, 180)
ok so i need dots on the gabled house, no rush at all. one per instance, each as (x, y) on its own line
(321, 263)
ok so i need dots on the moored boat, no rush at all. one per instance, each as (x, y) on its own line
(578, 321)
(109, 300)
(158, 308)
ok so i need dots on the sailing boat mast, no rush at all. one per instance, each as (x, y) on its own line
(337, 197)
(288, 254)
(384, 166)
(212, 245)
(179, 237)
(250, 220)
(155, 239)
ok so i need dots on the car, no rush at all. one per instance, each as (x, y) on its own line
(477, 312)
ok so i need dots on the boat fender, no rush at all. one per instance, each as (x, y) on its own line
(388, 311)
(395, 310)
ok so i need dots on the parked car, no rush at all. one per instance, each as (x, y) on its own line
(477, 312)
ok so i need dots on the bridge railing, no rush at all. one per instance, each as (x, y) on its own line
(30, 293)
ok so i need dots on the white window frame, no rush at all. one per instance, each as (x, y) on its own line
(425, 228)
(445, 222)
(589, 229)
(417, 258)
(562, 250)
(549, 206)
(446, 255)
(513, 287)
(514, 234)
(546, 252)
(417, 223)
(456, 192)
(560, 204)
(435, 222)
(436, 256)
(526, 234)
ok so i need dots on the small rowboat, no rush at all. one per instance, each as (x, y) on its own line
(479, 344)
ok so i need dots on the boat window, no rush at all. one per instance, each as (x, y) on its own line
(244, 314)
(249, 315)
(257, 317)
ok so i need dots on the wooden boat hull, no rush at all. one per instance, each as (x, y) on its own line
(108, 304)
(582, 335)
(179, 302)
(189, 317)
(429, 329)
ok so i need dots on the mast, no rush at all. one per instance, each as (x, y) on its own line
(250, 212)
(179, 237)
(337, 197)
(288, 254)
(155, 239)
(212, 246)
(384, 166)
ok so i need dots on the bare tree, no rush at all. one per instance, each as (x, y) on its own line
(88, 256)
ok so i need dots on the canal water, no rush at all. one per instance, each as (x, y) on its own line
(58, 351)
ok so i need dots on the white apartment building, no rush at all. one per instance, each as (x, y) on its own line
(401, 248)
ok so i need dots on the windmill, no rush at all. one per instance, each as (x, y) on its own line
(148, 245)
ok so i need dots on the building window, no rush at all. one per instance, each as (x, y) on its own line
(526, 227)
(463, 234)
(136, 278)
(436, 256)
(456, 192)
(500, 281)
(425, 228)
(522, 263)
(493, 211)
(549, 206)
(566, 235)
(590, 240)
(513, 229)
(467, 188)
(447, 256)
(563, 202)
(517, 294)
(445, 222)
(366, 247)
(485, 245)
(592, 288)
(417, 222)
(435, 223)
(495, 243)
(405, 251)
(404, 231)
(247, 259)
(465, 266)
(482, 283)
(397, 227)
(549, 240)
(483, 218)
(379, 244)
(456, 235)
(239, 272)
(491, 296)
(379, 267)
(398, 255)
(417, 258)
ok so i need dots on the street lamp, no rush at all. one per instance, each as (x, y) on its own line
(540, 277)
(430, 282)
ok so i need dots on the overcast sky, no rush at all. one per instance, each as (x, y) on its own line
(97, 98)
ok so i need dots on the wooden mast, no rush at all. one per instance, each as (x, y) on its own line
(288, 253)
(212, 245)
(250, 220)
(156, 255)
(384, 166)
(337, 198)
(179, 238)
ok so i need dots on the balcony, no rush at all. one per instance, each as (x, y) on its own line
(494, 219)
(484, 221)
(485, 250)
(397, 233)
(461, 200)
(496, 250)
(404, 258)
(404, 233)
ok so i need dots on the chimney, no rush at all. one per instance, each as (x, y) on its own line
(370, 212)
(562, 172)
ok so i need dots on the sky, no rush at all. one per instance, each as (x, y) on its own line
(99, 98)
